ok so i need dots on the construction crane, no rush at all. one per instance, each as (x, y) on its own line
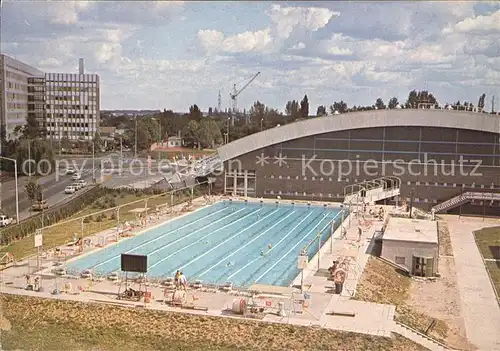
(235, 92)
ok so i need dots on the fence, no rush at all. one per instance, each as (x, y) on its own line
(314, 246)
(52, 215)
(104, 215)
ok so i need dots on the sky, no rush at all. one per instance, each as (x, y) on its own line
(164, 54)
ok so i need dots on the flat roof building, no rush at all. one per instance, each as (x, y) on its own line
(412, 244)
(67, 105)
(14, 76)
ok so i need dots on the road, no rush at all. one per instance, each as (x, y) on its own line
(132, 175)
(53, 192)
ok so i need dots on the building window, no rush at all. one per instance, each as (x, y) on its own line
(399, 260)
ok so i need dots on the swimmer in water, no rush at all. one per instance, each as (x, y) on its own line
(262, 253)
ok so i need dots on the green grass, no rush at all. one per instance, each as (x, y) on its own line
(488, 242)
(46, 324)
(63, 233)
(487, 238)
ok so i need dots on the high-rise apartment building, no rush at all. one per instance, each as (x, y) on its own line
(14, 92)
(65, 104)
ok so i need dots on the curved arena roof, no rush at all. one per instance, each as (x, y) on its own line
(356, 120)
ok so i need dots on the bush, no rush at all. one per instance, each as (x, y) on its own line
(51, 216)
(87, 219)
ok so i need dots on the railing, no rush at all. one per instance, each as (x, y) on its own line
(373, 190)
(465, 197)
(199, 168)
(425, 336)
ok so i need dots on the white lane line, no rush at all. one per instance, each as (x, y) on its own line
(222, 243)
(166, 234)
(203, 237)
(274, 246)
(293, 248)
(248, 243)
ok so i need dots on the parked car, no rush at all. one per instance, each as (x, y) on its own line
(76, 176)
(76, 185)
(70, 170)
(40, 205)
(82, 183)
(5, 221)
(70, 189)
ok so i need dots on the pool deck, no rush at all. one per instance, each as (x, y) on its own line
(367, 318)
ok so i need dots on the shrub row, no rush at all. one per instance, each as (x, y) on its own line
(50, 216)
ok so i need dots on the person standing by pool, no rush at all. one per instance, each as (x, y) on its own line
(176, 279)
(183, 281)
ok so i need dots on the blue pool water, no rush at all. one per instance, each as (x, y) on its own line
(224, 242)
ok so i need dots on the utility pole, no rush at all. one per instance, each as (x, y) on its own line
(93, 161)
(219, 104)
(135, 154)
(227, 142)
(411, 201)
(493, 104)
(261, 121)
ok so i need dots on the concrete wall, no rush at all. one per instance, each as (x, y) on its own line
(315, 167)
(392, 248)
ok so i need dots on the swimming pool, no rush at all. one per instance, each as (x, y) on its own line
(239, 242)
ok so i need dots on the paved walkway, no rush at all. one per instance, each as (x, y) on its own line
(479, 306)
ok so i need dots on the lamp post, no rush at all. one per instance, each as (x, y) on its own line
(17, 189)
(228, 119)
(261, 121)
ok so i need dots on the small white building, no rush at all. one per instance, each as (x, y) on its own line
(412, 244)
(174, 141)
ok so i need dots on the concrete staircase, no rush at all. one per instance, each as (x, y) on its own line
(464, 198)
(199, 168)
(371, 191)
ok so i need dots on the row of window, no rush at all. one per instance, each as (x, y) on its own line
(69, 115)
(71, 77)
(87, 89)
(67, 124)
(69, 107)
(347, 180)
(398, 141)
(73, 133)
(16, 76)
(17, 86)
(319, 196)
(16, 106)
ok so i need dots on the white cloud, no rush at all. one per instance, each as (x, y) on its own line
(213, 40)
(477, 25)
(298, 46)
(287, 19)
(67, 12)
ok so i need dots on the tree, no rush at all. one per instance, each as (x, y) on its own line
(379, 104)
(98, 144)
(190, 133)
(33, 191)
(393, 102)
(210, 111)
(31, 130)
(292, 109)
(480, 103)
(194, 112)
(340, 107)
(257, 112)
(321, 111)
(422, 97)
(304, 107)
(208, 134)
